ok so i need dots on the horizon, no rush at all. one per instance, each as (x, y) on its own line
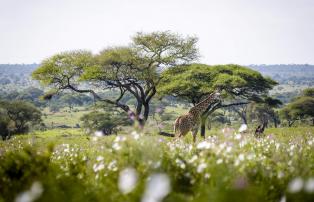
(200, 63)
(242, 32)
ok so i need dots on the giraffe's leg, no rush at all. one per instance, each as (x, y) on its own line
(194, 132)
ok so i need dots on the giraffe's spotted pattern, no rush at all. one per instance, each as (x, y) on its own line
(190, 121)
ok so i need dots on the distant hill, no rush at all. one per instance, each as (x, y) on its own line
(17, 68)
(288, 73)
(17, 74)
(302, 74)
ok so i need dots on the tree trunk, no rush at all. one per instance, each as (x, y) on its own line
(275, 122)
(139, 108)
(205, 115)
(146, 111)
(244, 119)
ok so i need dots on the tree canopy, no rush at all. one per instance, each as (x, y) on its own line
(300, 108)
(17, 117)
(192, 82)
(133, 70)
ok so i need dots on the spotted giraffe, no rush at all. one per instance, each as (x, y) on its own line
(190, 121)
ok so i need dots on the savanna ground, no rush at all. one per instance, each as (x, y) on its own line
(68, 165)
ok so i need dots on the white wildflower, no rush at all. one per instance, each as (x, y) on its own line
(201, 167)
(241, 157)
(277, 146)
(280, 174)
(295, 185)
(236, 162)
(283, 199)
(219, 161)
(194, 158)
(120, 138)
(98, 133)
(98, 167)
(207, 176)
(31, 195)
(157, 188)
(250, 156)
(99, 158)
(127, 180)
(222, 145)
(113, 165)
(203, 145)
(309, 185)
(242, 128)
(237, 136)
(116, 146)
(180, 163)
(135, 135)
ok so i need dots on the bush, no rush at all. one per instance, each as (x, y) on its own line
(18, 117)
(107, 122)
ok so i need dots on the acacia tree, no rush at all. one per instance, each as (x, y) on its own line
(133, 70)
(239, 85)
(241, 110)
(300, 108)
(264, 111)
(17, 117)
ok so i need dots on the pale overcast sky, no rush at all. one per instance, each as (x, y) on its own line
(229, 31)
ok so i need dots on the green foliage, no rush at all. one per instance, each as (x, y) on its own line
(108, 122)
(132, 69)
(191, 82)
(18, 116)
(309, 92)
(300, 108)
(63, 67)
(30, 94)
(222, 168)
(165, 48)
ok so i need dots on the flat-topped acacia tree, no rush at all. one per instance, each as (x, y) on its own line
(133, 69)
(239, 85)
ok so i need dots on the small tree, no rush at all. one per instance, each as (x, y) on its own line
(302, 107)
(285, 114)
(108, 122)
(309, 92)
(19, 116)
(4, 125)
(241, 111)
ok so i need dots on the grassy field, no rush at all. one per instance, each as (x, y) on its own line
(64, 116)
(68, 165)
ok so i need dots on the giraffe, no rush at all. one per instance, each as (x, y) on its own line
(190, 121)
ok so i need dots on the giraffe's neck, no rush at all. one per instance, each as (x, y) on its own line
(201, 107)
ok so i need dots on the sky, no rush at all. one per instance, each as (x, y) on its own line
(229, 31)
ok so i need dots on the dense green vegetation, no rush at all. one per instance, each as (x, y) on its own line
(65, 165)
